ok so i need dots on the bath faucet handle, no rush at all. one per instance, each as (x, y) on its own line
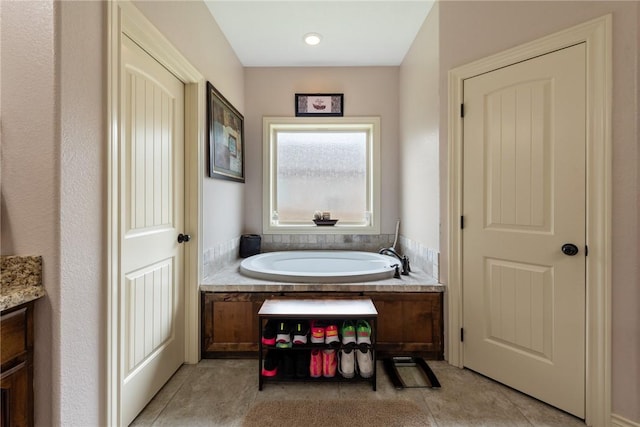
(406, 267)
(396, 275)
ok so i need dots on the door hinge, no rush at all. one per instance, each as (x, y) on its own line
(461, 110)
(461, 222)
(461, 335)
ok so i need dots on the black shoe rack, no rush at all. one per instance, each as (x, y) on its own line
(315, 309)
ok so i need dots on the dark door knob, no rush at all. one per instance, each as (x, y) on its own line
(183, 238)
(569, 249)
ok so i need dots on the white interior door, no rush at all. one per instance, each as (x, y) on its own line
(152, 210)
(523, 199)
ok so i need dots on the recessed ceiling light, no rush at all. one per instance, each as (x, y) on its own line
(312, 39)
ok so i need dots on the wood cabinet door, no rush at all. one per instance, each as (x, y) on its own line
(230, 322)
(409, 323)
(14, 397)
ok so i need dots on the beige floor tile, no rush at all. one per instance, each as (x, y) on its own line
(539, 413)
(164, 396)
(219, 392)
(467, 399)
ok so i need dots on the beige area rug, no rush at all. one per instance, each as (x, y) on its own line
(351, 413)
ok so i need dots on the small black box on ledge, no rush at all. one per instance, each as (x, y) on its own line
(249, 245)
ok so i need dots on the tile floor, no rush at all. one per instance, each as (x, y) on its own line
(218, 392)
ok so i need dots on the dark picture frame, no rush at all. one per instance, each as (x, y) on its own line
(225, 127)
(319, 104)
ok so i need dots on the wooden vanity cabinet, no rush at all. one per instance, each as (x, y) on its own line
(229, 322)
(16, 372)
(408, 323)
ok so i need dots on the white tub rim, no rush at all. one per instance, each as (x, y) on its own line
(381, 266)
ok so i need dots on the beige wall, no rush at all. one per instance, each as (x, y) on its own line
(368, 91)
(54, 160)
(54, 152)
(79, 339)
(470, 30)
(419, 136)
(193, 31)
(30, 174)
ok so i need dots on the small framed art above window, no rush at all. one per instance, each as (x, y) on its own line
(319, 104)
(321, 165)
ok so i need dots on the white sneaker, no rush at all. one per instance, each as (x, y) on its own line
(365, 363)
(347, 365)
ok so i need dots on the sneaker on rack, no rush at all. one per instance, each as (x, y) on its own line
(302, 363)
(329, 363)
(300, 332)
(315, 363)
(365, 362)
(363, 332)
(270, 364)
(317, 332)
(348, 332)
(269, 332)
(347, 362)
(287, 365)
(331, 333)
(283, 334)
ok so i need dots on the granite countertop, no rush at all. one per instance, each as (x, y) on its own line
(229, 279)
(21, 280)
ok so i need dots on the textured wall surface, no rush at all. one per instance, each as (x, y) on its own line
(30, 174)
(80, 341)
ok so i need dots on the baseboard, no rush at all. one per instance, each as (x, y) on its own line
(618, 421)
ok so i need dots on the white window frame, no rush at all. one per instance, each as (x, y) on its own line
(271, 125)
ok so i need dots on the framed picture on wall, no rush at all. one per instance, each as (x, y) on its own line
(319, 104)
(225, 127)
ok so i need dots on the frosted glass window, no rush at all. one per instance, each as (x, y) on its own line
(321, 171)
(326, 165)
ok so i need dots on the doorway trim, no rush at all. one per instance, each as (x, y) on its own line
(596, 34)
(123, 18)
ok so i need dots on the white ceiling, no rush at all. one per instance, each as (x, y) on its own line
(354, 33)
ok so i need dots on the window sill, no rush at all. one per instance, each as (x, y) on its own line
(315, 229)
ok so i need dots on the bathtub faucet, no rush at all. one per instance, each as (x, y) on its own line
(406, 268)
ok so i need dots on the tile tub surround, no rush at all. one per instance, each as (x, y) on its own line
(21, 280)
(420, 256)
(220, 256)
(221, 263)
(229, 279)
(345, 242)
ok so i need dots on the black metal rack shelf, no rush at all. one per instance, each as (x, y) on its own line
(316, 309)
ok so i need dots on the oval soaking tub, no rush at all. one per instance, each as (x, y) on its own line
(319, 266)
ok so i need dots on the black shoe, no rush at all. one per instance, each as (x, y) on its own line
(300, 332)
(270, 364)
(286, 366)
(303, 358)
(269, 332)
(283, 334)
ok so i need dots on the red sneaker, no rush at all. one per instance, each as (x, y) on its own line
(315, 366)
(331, 334)
(317, 332)
(329, 363)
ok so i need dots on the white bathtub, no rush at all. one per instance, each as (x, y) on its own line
(319, 266)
